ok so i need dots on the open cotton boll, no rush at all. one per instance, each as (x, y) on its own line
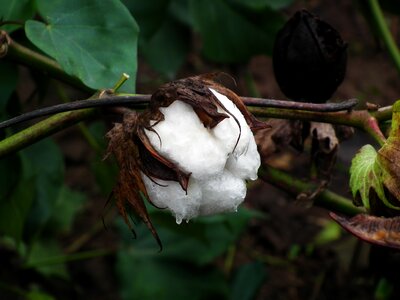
(186, 142)
(222, 193)
(170, 195)
(227, 131)
(218, 169)
(246, 165)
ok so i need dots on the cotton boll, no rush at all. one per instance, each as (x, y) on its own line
(246, 165)
(185, 141)
(222, 193)
(218, 169)
(170, 195)
(227, 131)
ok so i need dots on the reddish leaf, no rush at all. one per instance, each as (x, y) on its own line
(375, 230)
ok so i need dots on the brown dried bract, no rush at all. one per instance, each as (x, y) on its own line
(375, 230)
(324, 148)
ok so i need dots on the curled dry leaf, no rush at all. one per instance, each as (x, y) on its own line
(375, 230)
(136, 155)
(284, 133)
(389, 157)
(324, 147)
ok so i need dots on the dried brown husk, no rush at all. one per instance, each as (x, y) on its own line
(324, 148)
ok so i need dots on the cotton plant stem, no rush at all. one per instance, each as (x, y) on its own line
(326, 198)
(43, 129)
(384, 32)
(361, 119)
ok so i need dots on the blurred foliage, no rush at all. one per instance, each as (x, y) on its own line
(188, 253)
(231, 31)
(96, 41)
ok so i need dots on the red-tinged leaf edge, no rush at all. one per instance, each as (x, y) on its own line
(372, 229)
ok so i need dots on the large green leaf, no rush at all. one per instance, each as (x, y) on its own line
(247, 281)
(66, 207)
(93, 40)
(166, 50)
(261, 4)
(182, 270)
(233, 33)
(45, 249)
(146, 279)
(164, 39)
(43, 162)
(15, 208)
(15, 10)
(199, 241)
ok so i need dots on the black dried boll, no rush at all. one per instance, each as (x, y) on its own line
(309, 58)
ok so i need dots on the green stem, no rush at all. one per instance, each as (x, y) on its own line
(384, 32)
(26, 56)
(82, 127)
(43, 129)
(326, 198)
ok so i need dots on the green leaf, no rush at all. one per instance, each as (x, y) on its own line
(365, 174)
(261, 4)
(45, 249)
(174, 40)
(247, 281)
(233, 33)
(15, 10)
(106, 171)
(43, 162)
(155, 278)
(200, 241)
(329, 233)
(149, 14)
(95, 41)
(182, 270)
(15, 208)
(67, 205)
(39, 295)
(8, 82)
(165, 37)
(9, 176)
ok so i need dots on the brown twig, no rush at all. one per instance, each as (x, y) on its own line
(138, 100)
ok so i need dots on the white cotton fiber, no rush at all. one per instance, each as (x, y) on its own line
(247, 164)
(218, 171)
(227, 131)
(185, 141)
(170, 195)
(222, 193)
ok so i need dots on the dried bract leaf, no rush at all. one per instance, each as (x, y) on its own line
(375, 230)
(130, 188)
(389, 156)
(324, 148)
(282, 134)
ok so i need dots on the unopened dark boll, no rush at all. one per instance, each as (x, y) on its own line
(309, 58)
